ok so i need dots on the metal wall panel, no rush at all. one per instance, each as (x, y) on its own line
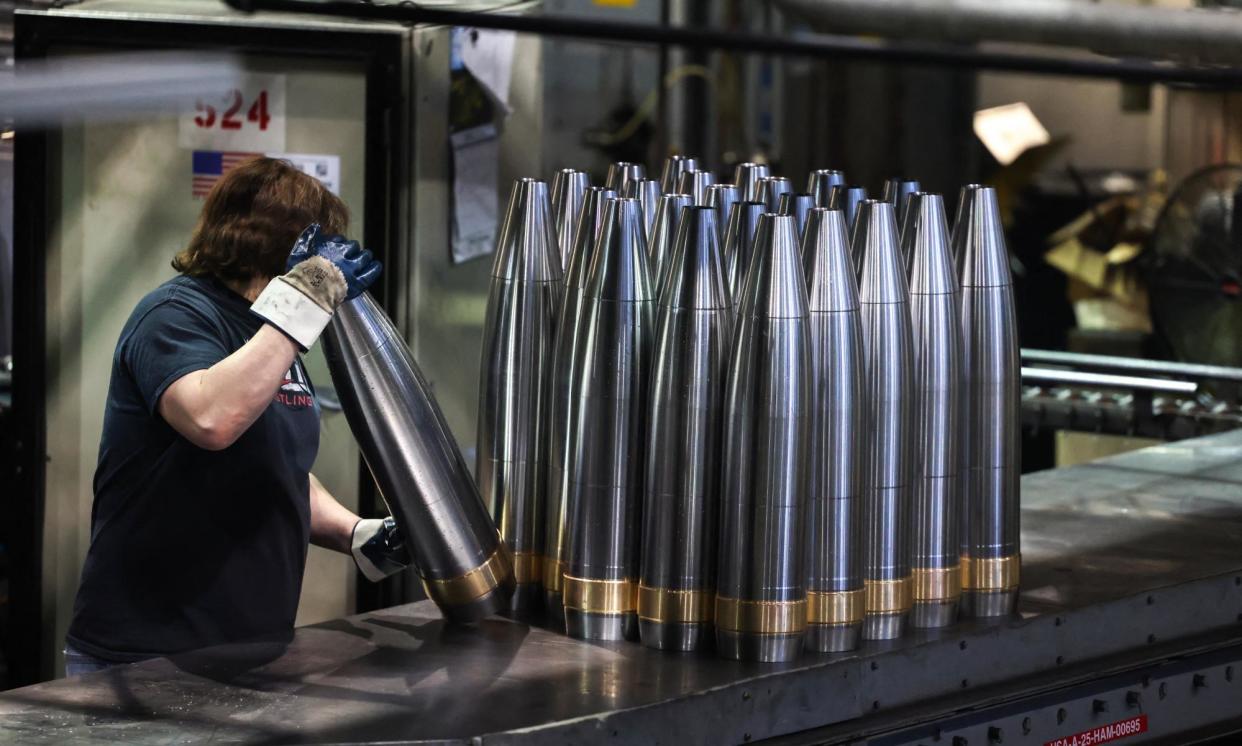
(445, 302)
(585, 81)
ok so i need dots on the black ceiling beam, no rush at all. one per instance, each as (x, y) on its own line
(833, 47)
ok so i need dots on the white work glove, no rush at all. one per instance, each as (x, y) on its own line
(322, 273)
(379, 548)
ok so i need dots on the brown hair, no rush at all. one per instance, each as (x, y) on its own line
(251, 218)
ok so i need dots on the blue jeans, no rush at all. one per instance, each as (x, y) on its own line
(78, 663)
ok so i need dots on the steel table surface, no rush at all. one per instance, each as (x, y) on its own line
(1119, 554)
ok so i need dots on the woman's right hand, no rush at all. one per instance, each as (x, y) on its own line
(323, 272)
(358, 267)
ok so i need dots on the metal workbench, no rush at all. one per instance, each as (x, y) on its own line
(1131, 606)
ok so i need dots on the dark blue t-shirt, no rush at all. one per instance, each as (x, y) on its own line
(190, 547)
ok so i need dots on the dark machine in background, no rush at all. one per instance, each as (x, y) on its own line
(1194, 269)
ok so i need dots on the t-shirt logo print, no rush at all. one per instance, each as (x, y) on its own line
(295, 390)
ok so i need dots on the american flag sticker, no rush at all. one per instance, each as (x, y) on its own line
(210, 165)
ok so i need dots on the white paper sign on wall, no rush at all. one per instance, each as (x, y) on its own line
(249, 118)
(326, 168)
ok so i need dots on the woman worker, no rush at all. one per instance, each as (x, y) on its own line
(204, 501)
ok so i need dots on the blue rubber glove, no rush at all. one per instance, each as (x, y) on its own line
(322, 273)
(357, 264)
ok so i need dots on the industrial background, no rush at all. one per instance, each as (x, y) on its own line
(1111, 134)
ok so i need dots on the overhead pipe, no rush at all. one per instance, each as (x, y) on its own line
(1106, 28)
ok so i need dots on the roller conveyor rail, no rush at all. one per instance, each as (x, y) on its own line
(1046, 376)
(1130, 612)
(1191, 371)
(1137, 397)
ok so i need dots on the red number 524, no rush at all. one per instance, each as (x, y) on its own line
(206, 116)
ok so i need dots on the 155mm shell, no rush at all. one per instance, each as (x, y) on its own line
(797, 205)
(646, 191)
(621, 173)
(466, 569)
(518, 337)
(820, 183)
(568, 188)
(770, 190)
(681, 502)
(760, 589)
(747, 176)
(936, 318)
(674, 166)
(739, 243)
(884, 300)
(847, 198)
(607, 426)
(663, 234)
(991, 559)
(834, 502)
(897, 193)
(564, 356)
(696, 184)
(722, 197)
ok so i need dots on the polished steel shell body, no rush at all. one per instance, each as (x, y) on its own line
(664, 234)
(621, 173)
(586, 227)
(936, 317)
(568, 188)
(884, 300)
(564, 355)
(696, 184)
(991, 557)
(760, 590)
(722, 197)
(961, 220)
(746, 177)
(797, 205)
(518, 337)
(465, 567)
(897, 193)
(607, 426)
(820, 183)
(908, 233)
(674, 166)
(646, 191)
(834, 489)
(847, 199)
(739, 243)
(770, 190)
(858, 234)
(681, 501)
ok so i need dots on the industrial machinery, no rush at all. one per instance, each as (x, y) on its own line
(1128, 396)
(1194, 268)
